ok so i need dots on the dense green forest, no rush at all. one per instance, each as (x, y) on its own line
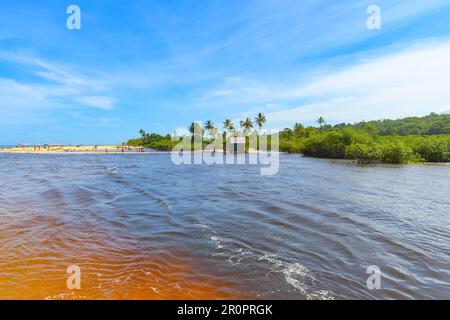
(414, 139)
(358, 144)
(429, 125)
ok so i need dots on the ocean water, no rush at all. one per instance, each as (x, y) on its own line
(140, 227)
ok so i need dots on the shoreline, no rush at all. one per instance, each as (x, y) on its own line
(112, 150)
(98, 150)
(61, 149)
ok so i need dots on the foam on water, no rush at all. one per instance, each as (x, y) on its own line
(298, 276)
(156, 230)
(295, 274)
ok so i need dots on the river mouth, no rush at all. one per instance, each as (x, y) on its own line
(144, 228)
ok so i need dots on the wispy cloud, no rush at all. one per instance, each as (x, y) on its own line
(413, 82)
(145, 61)
(409, 82)
(104, 103)
(49, 85)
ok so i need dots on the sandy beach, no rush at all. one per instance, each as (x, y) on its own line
(71, 149)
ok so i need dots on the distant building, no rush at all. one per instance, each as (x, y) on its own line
(236, 145)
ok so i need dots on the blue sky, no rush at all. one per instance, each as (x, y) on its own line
(159, 65)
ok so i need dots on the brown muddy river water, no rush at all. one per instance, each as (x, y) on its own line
(140, 227)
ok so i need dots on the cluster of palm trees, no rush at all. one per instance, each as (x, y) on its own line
(228, 126)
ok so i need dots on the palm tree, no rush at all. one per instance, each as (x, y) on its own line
(228, 126)
(195, 127)
(232, 129)
(321, 121)
(209, 127)
(247, 124)
(142, 133)
(260, 120)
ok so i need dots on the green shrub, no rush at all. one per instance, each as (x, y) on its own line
(434, 150)
(397, 152)
(351, 136)
(293, 146)
(162, 145)
(359, 151)
(330, 144)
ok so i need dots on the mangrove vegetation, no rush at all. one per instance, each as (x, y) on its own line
(408, 140)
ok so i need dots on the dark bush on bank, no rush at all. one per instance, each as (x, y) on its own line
(434, 150)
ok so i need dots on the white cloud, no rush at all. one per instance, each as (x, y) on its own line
(16, 95)
(238, 91)
(58, 87)
(221, 93)
(104, 103)
(412, 82)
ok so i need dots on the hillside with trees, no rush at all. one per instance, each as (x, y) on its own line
(432, 124)
(415, 139)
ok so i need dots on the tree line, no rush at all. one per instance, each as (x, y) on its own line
(414, 139)
(432, 124)
(368, 142)
(209, 131)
